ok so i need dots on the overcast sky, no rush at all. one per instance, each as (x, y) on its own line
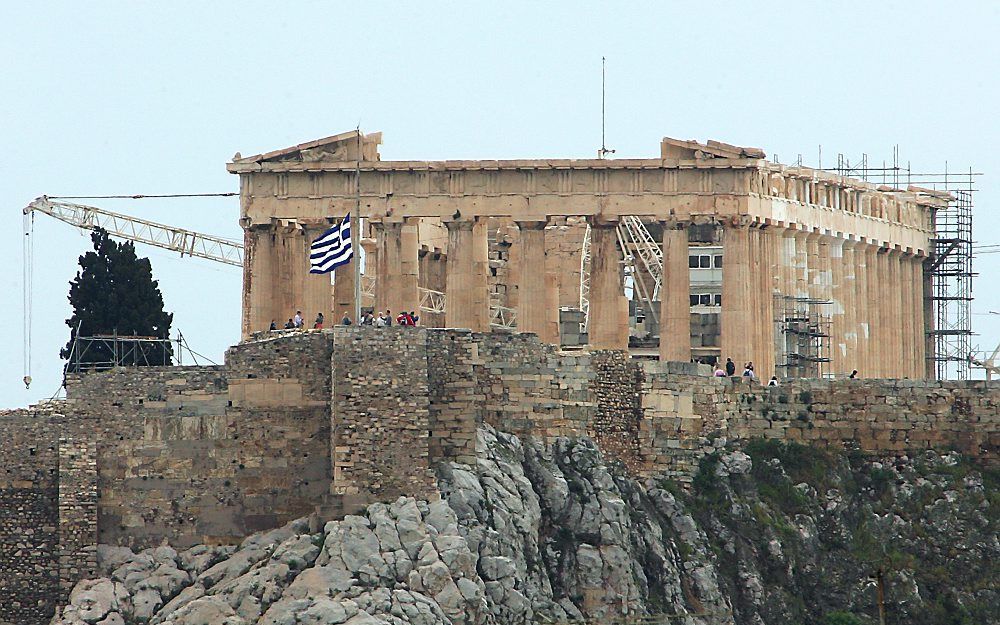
(155, 97)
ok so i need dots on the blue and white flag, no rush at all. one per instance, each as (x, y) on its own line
(332, 249)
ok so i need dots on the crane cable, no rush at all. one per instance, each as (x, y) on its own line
(28, 275)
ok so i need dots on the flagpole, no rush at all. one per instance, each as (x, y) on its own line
(356, 233)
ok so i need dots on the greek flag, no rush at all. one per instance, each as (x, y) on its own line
(332, 249)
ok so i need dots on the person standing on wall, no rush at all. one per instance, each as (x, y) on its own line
(730, 367)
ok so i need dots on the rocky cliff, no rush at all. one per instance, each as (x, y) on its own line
(770, 534)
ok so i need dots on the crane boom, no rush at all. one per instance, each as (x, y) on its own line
(190, 243)
(186, 242)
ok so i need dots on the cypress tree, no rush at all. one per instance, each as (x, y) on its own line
(114, 293)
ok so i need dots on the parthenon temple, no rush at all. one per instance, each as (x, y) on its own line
(707, 252)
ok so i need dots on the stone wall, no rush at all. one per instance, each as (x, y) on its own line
(29, 567)
(380, 420)
(325, 421)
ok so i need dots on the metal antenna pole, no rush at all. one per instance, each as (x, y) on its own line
(356, 234)
(604, 151)
(604, 83)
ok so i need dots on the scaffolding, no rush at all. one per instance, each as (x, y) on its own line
(948, 271)
(803, 335)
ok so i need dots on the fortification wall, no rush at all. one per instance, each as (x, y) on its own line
(329, 420)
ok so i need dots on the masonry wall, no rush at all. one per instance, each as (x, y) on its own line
(29, 542)
(208, 454)
(328, 420)
(380, 419)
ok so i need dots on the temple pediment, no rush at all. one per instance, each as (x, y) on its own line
(346, 146)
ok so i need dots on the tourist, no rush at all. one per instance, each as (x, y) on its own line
(297, 319)
(748, 373)
(274, 326)
(401, 319)
(730, 367)
(719, 373)
(773, 381)
(367, 319)
(854, 374)
(414, 318)
(289, 325)
(380, 320)
(318, 324)
(346, 321)
(388, 318)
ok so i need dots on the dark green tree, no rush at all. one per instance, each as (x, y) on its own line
(114, 293)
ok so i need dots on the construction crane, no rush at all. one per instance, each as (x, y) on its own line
(186, 242)
(987, 363)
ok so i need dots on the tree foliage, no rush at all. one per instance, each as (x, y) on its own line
(114, 293)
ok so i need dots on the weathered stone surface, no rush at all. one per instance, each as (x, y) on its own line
(540, 533)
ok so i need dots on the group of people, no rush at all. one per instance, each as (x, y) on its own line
(750, 375)
(383, 320)
(748, 372)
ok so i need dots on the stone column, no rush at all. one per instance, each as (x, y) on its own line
(907, 323)
(862, 310)
(838, 327)
(534, 299)
(736, 295)
(919, 353)
(316, 287)
(467, 304)
(607, 323)
(343, 296)
(675, 290)
(765, 268)
(258, 287)
(896, 356)
(388, 269)
(849, 301)
(883, 332)
(814, 266)
(872, 309)
(409, 263)
(930, 370)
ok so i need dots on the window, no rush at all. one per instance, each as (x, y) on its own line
(706, 299)
(718, 261)
(718, 299)
(705, 262)
(694, 300)
(692, 262)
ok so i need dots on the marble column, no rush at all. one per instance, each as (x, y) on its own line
(258, 286)
(675, 303)
(852, 359)
(873, 304)
(906, 321)
(533, 297)
(736, 295)
(607, 323)
(919, 353)
(930, 347)
(896, 356)
(409, 264)
(343, 295)
(862, 309)
(467, 303)
(838, 327)
(316, 290)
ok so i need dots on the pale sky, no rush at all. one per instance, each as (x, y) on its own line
(155, 97)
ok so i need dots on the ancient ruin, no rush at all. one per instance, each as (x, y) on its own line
(820, 271)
